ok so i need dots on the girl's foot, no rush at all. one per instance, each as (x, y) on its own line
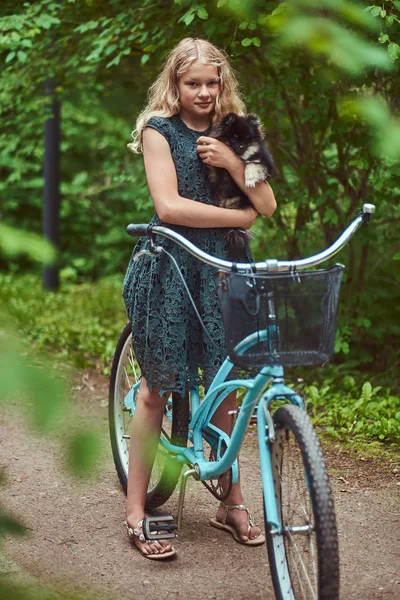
(154, 549)
(236, 519)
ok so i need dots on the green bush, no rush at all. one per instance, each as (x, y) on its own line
(347, 412)
(80, 323)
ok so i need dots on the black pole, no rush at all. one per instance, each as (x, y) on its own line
(51, 171)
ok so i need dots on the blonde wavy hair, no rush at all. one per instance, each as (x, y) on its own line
(163, 97)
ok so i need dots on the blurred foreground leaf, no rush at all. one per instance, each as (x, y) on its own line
(83, 451)
(14, 242)
(382, 124)
(330, 34)
(41, 392)
(9, 525)
(345, 49)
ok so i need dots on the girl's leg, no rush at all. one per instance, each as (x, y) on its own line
(239, 518)
(144, 435)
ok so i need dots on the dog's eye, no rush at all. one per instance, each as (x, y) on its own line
(235, 137)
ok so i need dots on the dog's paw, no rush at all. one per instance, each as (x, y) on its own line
(254, 173)
(212, 173)
(234, 202)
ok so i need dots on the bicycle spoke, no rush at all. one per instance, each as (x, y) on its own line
(299, 554)
(132, 363)
(127, 378)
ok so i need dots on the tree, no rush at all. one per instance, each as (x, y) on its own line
(323, 76)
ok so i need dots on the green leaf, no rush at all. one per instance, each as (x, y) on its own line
(22, 56)
(383, 38)
(396, 256)
(8, 525)
(375, 11)
(366, 392)
(243, 25)
(221, 3)
(202, 12)
(256, 41)
(14, 242)
(358, 403)
(383, 13)
(279, 9)
(144, 59)
(247, 42)
(394, 51)
(83, 452)
(10, 56)
(115, 61)
(110, 49)
(188, 17)
(26, 43)
(330, 216)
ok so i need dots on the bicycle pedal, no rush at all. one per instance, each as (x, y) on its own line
(159, 527)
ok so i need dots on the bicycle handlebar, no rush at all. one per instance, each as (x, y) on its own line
(268, 265)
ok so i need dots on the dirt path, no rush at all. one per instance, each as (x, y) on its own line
(77, 536)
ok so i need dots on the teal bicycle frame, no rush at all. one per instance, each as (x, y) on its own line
(200, 425)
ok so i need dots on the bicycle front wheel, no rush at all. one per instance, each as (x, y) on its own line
(125, 373)
(304, 558)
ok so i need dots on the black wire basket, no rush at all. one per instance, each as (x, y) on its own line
(286, 319)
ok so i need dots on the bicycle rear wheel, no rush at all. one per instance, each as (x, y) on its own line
(125, 372)
(304, 558)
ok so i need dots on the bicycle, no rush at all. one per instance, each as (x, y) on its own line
(274, 316)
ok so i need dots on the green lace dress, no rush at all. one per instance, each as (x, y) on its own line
(172, 350)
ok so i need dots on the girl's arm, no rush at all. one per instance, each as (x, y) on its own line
(173, 208)
(217, 154)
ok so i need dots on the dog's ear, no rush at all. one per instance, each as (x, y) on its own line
(229, 119)
(254, 120)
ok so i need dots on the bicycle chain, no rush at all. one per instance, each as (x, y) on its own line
(219, 495)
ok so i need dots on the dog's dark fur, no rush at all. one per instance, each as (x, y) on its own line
(243, 135)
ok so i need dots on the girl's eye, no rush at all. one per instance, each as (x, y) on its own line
(192, 84)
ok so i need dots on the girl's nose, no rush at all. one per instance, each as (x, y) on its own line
(203, 92)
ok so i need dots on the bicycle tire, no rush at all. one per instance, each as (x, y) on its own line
(166, 471)
(298, 465)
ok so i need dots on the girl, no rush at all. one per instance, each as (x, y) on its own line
(195, 88)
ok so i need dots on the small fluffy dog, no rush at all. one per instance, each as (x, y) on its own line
(243, 135)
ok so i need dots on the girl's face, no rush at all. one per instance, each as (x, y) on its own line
(198, 89)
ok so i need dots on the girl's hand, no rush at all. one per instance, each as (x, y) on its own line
(250, 215)
(215, 153)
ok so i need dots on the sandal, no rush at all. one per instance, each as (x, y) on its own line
(138, 532)
(260, 539)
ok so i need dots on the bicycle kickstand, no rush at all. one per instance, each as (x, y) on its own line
(182, 491)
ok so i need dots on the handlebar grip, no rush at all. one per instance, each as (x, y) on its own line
(137, 230)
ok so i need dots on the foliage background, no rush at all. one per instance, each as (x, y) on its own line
(323, 77)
